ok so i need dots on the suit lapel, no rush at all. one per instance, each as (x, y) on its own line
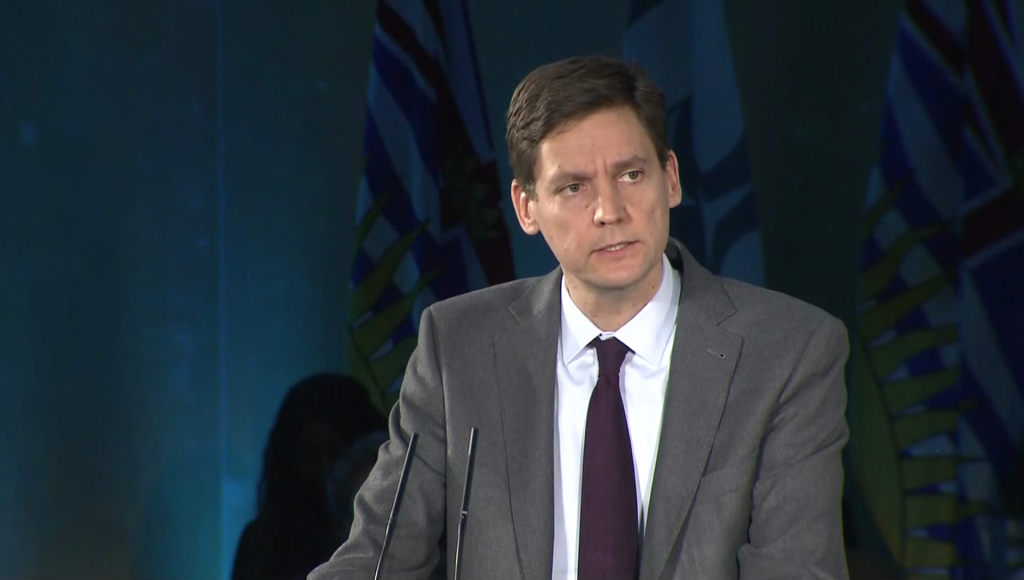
(526, 372)
(704, 356)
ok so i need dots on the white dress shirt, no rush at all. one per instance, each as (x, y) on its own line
(642, 383)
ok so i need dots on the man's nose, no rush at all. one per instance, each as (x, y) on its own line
(608, 205)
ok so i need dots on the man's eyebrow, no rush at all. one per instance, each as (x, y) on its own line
(631, 162)
(561, 177)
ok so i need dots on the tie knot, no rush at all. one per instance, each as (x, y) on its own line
(610, 354)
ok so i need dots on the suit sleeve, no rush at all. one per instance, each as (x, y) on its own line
(796, 519)
(414, 546)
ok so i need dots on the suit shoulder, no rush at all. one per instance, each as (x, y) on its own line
(481, 306)
(771, 310)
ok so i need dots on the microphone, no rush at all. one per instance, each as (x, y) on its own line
(465, 502)
(390, 529)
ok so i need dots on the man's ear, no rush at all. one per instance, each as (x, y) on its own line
(675, 186)
(523, 204)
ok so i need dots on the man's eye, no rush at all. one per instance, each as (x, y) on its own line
(634, 175)
(573, 188)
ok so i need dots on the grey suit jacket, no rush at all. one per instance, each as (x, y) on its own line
(748, 479)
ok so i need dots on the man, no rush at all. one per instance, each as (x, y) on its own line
(638, 416)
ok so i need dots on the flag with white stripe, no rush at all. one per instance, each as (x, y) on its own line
(937, 404)
(429, 224)
(684, 46)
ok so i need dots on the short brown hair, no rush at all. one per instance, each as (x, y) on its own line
(571, 89)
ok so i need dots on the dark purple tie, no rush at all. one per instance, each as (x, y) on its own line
(609, 528)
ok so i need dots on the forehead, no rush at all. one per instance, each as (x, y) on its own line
(601, 138)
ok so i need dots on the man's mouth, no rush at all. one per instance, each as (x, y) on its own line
(615, 247)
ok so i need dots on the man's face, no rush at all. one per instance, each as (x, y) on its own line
(599, 185)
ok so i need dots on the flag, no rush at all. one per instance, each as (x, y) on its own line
(684, 46)
(429, 223)
(936, 407)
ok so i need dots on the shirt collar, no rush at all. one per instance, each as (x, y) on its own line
(647, 334)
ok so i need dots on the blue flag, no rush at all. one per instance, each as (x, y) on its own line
(937, 404)
(429, 223)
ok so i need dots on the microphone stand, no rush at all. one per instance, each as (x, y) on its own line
(390, 530)
(464, 515)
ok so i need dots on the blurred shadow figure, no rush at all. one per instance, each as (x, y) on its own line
(349, 474)
(296, 528)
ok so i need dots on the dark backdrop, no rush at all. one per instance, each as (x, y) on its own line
(177, 183)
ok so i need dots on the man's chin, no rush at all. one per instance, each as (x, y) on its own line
(620, 280)
(615, 284)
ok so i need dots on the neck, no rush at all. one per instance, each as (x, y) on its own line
(610, 310)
